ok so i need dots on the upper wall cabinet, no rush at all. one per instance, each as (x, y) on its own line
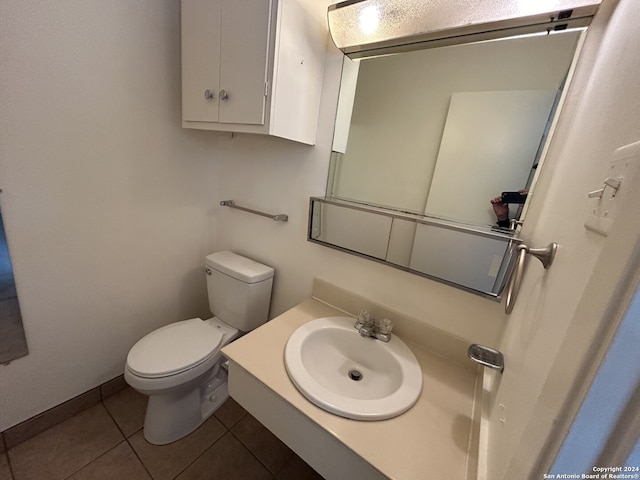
(253, 66)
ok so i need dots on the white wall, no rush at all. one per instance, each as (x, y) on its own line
(601, 115)
(110, 206)
(106, 199)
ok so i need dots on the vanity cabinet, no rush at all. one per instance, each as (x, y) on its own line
(253, 66)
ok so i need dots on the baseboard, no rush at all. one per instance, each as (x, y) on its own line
(31, 427)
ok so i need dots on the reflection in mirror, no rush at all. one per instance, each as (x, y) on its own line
(443, 131)
(13, 343)
(474, 259)
(426, 139)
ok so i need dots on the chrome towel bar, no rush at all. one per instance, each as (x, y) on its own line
(280, 217)
(545, 255)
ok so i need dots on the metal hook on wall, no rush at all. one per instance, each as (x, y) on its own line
(546, 255)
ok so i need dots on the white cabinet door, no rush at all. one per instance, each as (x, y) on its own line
(200, 60)
(253, 66)
(224, 60)
(243, 59)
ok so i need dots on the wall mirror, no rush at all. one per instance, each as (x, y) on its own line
(13, 343)
(425, 138)
(443, 131)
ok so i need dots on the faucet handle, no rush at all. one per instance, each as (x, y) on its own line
(385, 326)
(363, 320)
(364, 317)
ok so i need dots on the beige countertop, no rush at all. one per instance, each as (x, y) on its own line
(430, 441)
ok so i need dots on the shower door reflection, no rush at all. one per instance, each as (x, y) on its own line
(13, 343)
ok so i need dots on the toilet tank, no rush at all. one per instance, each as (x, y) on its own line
(239, 290)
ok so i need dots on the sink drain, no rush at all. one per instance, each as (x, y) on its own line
(355, 375)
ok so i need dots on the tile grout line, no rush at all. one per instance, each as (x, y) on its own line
(205, 451)
(57, 411)
(140, 459)
(236, 422)
(95, 459)
(103, 453)
(124, 436)
(126, 439)
(227, 430)
(274, 475)
(135, 452)
(138, 456)
(51, 412)
(6, 454)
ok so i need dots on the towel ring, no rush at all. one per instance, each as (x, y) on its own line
(546, 255)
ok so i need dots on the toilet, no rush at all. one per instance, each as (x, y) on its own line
(180, 367)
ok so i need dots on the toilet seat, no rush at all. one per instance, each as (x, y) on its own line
(174, 348)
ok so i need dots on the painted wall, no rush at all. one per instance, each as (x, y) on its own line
(106, 199)
(601, 116)
(110, 206)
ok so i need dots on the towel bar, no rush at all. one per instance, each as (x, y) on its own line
(280, 217)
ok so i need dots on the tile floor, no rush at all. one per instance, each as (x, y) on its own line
(105, 441)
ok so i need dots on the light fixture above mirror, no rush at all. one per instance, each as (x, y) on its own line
(362, 28)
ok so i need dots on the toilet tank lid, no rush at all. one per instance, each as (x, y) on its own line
(239, 267)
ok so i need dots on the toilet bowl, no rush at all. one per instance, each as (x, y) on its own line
(180, 367)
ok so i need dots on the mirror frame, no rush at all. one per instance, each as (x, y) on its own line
(510, 240)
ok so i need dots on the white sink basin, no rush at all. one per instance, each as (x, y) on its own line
(349, 375)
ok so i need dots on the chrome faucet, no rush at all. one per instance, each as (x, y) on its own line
(368, 327)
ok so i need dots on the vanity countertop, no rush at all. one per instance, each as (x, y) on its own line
(430, 441)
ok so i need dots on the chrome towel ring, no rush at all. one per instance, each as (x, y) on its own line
(546, 255)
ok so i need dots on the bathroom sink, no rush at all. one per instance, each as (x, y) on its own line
(352, 376)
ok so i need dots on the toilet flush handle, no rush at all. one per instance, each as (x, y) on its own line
(207, 270)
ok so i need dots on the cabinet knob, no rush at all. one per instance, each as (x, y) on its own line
(208, 94)
(224, 95)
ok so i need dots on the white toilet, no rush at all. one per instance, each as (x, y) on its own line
(180, 366)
